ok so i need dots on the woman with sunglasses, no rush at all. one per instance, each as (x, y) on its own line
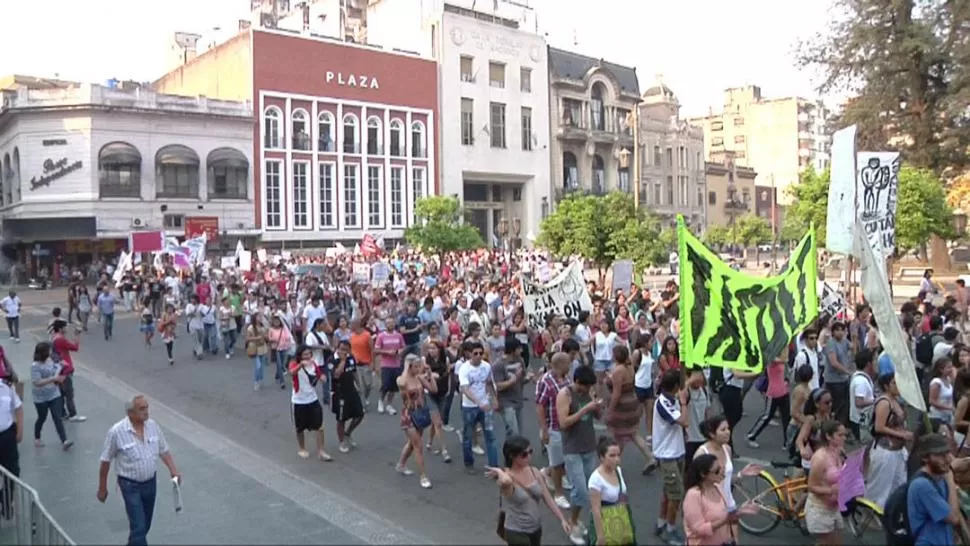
(707, 518)
(415, 380)
(822, 517)
(818, 408)
(522, 488)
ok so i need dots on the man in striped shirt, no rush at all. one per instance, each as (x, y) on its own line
(546, 390)
(135, 444)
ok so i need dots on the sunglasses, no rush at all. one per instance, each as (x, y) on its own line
(812, 338)
(526, 453)
(477, 353)
(717, 470)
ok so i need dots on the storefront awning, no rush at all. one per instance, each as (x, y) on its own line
(119, 153)
(227, 157)
(176, 154)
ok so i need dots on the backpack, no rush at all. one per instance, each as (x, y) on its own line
(924, 349)
(895, 519)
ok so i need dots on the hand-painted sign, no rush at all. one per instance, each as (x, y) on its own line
(565, 296)
(52, 171)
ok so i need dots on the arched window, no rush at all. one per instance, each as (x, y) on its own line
(599, 174)
(375, 136)
(597, 107)
(570, 171)
(325, 136)
(397, 138)
(6, 180)
(228, 174)
(119, 171)
(351, 139)
(272, 135)
(301, 130)
(177, 172)
(418, 148)
(18, 180)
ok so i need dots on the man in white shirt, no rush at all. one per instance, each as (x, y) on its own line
(809, 355)
(193, 311)
(862, 395)
(11, 308)
(669, 449)
(478, 404)
(316, 310)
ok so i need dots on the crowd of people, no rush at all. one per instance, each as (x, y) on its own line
(455, 326)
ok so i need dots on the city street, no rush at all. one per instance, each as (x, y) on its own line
(238, 454)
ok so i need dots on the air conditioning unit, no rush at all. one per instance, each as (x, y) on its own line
(137, 223)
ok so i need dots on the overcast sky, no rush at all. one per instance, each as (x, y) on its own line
(700, 46)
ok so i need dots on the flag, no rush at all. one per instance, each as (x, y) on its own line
(196, 248)
(239, 248)
(124, 265)
(368, 245)
(734, 320)
(146, 241)
(875, 287)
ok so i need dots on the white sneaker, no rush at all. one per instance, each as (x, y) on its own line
(79, 419)
(566, 484)
(448, 428)
(425, 482)
(227, 356)
(344, 448)
(380, 406)
(578, 536)
(478, 450)
(753, 445)
(562, 502)
(404, 470)
(390, 410)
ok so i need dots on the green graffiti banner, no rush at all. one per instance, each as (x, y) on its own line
(735, 320)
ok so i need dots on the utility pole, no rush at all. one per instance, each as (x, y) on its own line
(636, 155)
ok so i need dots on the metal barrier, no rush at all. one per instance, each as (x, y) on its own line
(24, 518)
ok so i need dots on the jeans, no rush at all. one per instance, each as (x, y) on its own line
(579, 467)
(108, 323)
(67, 398)
(52, 407)
(470, 418)
(513, 420)
(139, 500)
(840, 400)
(129, 299)
(258, 362)
(13, 326)
(210, 343)
(229, 340)
(280, 358)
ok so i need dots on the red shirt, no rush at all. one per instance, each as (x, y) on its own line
(546, 390)
(64, 347)
(203, 291)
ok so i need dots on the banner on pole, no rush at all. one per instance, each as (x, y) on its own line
(565, 296)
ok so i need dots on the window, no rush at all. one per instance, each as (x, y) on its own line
(467, 122)
(375, 215)
(712, 198)
(745, 196)
(350, 196)
(350, 138)
(325, 137)
(497, 124)
(597, 108)
(397, 138)
(700, 164)
(272, 138)
(497, 194)
(119, 170)
(496, 74)
(467, 69)
(670, 159)
(623, 179)
(739, 122)
(717, 141)
(418, 148)
(173, 221)
(717, 126)
(739, 139)
(525, 80)
(527, 129)
(599, 174)
(301, 212)
(700, 197)
(670, 190)
(517, 194)
(328, 192)
(682, 157)
(683, 195)
(272, 174)
(657, 156)
(228, 174)
(397, 197)
(375, 136)
(301, 133)
(177, 172)
(570, 171)
(572, 113)
(657, 194)
(417, 181)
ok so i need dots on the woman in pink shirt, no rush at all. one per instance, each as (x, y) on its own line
(779, 400)
(281, 345)
(707, 520)
(388, 346)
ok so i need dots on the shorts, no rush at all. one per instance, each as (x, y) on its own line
(672, 473)
(554, 449)
(820, 519)
(602, 365)
(346, 406)
(308, 416)
(437, 403)
(644, 394)
(389, 379)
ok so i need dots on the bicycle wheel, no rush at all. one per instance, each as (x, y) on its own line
(864, 521)
(761, 492)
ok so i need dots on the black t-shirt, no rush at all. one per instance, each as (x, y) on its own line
(155, 289)
(345, 384)
(409, 322)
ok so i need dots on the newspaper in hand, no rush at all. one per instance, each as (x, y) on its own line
(177, 493)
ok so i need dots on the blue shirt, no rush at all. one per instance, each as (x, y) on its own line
(409, 322)
(928, 508)
(106, 303)
(429, 317)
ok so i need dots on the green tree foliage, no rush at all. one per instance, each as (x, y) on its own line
(717, 236)
(922, 209)
(751, 230)
(440, 228)
(908, 64)
(603, 229)
(811, 202)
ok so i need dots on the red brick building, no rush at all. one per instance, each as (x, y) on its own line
(345, 141)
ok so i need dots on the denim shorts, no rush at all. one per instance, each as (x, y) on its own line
(579, 467)
(644, 394)
(602, 365)
(554, 449)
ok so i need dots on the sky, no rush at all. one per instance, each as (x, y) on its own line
(700, 47)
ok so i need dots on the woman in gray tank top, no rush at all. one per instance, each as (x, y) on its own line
(521, 488)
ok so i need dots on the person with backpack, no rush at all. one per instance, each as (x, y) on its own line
(887, 457)
(810, 355)
(924, 511)
(926, 343)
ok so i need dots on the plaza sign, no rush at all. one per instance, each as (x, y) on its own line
(351, 80)
(52, 171)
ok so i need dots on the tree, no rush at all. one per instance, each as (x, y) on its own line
(752, 230)
(603, 229)
(716, 237)
(958, 192)
(922, 210)
(908, 64)
(810, 206)
(440, 227)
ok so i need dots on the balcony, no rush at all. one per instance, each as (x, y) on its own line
(419, 151)
(397, 150)
(325, 145)
(301, 142)
(351, 147)
(736, 206)
(374, 148)
(572, 130)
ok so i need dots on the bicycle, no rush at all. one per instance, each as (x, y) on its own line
(785, 502)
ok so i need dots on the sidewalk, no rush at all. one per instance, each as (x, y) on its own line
(221, 504)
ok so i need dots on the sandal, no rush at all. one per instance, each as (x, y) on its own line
(325, 457)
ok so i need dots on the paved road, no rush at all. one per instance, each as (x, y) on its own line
(244, 482)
